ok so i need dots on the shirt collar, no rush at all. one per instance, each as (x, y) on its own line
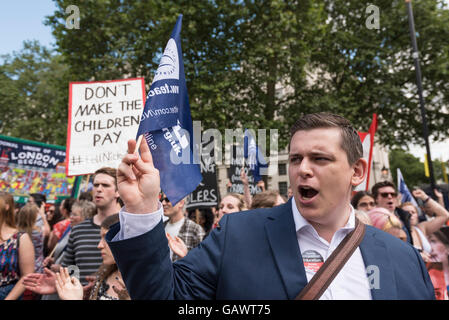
(301, 222)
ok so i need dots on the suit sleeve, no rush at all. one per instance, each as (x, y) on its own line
(145, 265)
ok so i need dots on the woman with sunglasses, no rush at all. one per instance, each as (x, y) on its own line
(422, 230)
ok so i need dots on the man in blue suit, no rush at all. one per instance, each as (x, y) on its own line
(268, 253)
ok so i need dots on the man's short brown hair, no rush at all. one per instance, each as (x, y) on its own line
(265, 199)
(108, 171)
(350, 141)
(377, 186)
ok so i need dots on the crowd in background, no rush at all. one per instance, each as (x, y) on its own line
(58, 251)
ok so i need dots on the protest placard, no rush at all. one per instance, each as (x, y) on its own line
(32, 167)
(103, 116)
(206, 194)
(237, 163)
(436, 274)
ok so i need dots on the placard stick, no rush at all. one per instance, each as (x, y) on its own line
(52, 252)
(87, 183)
(197, 216)
(139, 141)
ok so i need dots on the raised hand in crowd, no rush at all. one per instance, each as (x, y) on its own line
(46, 226)
(439, 196)
(138, 180)
(69, 288)
(41, 283)
(120, 288)
(246, 191)
(177, 246)
(433, 207)
(261, 185)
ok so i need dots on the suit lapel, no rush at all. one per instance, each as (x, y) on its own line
(280, 230)
(377, 262)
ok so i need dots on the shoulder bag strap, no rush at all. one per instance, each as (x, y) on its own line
(329, 270)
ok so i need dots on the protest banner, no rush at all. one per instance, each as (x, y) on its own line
(32, 167)
(103, 116)
(254, 156)
(367, 139)
(237, 163)
(436, 274)
(206, 194)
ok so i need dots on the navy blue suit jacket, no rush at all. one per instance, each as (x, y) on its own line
(255, 255)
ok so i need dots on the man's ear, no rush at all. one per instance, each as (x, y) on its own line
(181, 203)
(360, 168)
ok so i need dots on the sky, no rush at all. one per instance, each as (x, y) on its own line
(23, 20)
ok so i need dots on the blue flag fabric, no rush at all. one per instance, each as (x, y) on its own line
(405, 192)
(167, 124)
(253, 156)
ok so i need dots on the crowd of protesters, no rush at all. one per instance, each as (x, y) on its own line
(40, 243)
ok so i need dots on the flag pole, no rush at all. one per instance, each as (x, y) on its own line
(419, 84)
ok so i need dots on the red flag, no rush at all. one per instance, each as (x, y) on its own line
(368, 143)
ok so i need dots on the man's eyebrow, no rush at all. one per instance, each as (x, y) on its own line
(321, 153)
(314, 153)
(293, 155)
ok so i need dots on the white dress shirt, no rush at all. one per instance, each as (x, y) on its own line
(133, 225)
(352, 282)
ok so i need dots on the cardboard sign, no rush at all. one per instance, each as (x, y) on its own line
(206, 194)
(237, 163)
(103, 116)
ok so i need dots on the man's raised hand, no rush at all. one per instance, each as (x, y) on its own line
(138, 180)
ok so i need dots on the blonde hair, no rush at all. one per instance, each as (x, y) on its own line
(88, 208)
(6, 214)
(241, 205)
(363, 217)
(26, 218)
(408, 204)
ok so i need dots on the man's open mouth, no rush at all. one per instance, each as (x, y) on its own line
(307, 193)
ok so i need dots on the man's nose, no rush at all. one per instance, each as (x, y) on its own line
(305, 169)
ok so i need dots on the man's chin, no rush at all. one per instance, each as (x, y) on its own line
(309, 212)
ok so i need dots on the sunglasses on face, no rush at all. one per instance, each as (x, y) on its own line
(366, 204)
(386, 194)
(165, 199)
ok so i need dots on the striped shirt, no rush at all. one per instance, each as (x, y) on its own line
(82, 249)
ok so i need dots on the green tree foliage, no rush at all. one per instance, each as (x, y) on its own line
(362, 71)
(412, 168)
(33, 98)
(235, 52)
(262, 64)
